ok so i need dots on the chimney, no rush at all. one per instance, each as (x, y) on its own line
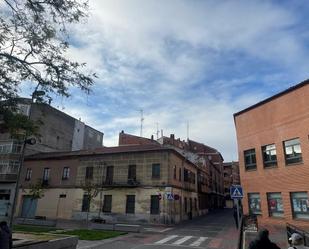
(151, 137)
(172, 136)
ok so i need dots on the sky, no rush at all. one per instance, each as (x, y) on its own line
(185, 64)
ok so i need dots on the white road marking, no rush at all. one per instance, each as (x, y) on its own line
(182, 240)
(162, 241)
(199, 241)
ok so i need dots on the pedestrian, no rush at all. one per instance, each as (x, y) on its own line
(297, 242)
(262, 241)
(5, 236)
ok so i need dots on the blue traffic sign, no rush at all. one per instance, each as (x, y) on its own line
(236, 192)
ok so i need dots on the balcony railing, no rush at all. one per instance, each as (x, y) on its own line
(128, 183)
(8, 177)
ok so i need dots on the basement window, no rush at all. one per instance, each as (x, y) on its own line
(300, 205)
(254, 203)
(275, 204)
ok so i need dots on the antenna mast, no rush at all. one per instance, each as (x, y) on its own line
(158, 130)
(142, 120)
(187, 130)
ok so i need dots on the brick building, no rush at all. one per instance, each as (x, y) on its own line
(140, 183)
(231, 177)
(58, 132)
(273, 151)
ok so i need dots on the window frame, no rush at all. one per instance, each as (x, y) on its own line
(66, 173)
(252, 165)
(154, 204)
(132, 172)
(46, 174)
(89, 173)
(303, 201)
(298, 159)
(156, 171)
(107, 208)
(130, 204)
(275, 213)
(269, 163)
(28, 174)
(258, 211)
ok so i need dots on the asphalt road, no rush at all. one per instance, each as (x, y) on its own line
(215, 230)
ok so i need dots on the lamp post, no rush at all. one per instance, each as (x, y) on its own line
(35, 95)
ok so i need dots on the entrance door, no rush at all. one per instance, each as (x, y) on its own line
(29, 207)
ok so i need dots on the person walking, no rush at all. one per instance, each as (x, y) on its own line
(5, 236)
(297, 242)
(262, 241)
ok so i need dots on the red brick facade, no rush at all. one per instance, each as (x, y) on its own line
(280, 118)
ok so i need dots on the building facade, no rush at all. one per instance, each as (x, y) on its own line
(273, 151)
(231, 177)
(58, 132)
(140, 183)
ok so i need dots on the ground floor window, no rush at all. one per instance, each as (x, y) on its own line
(4, 201)
(130, 205)
(275, 204)
(107, 204)
(300, 205)
(254, 203)
(85, 203)
(155, 205)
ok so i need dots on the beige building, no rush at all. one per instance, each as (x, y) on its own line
(140, 183)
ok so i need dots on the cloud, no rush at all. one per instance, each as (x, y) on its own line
(185, 61)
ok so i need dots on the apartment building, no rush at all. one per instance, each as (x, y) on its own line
(140, 183)
(273, 148)
(58, 132)
(231, 177)
(208, 160)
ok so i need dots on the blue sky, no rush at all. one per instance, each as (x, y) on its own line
(186, 61)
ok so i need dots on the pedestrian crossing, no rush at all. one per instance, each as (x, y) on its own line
(177, 240)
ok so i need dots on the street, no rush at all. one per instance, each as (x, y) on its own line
(215, 230)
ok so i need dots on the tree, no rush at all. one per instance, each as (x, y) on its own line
(33, 44)
(91, 190)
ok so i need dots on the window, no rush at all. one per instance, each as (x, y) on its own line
(85, 204)
(175, 170)
(28, 174)
(269, 155)
(195, 204)
(130, 205)
(89, 172)
(300, 205)
(254, 203)
(46, 173)
(66, 173)
(107, 205)
(275, 205)
(132, 173)
(180, 174)
(155, 205)
(9, 167)
(250, 159)
(109, 175)
(292, 151)
(185, 202)
(156, 170)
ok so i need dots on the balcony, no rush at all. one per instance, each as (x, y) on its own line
(8, 177)
(128, 183)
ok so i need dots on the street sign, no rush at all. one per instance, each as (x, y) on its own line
(236, 192)
(169, 196)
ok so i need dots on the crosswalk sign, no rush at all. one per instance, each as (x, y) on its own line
(236, 192)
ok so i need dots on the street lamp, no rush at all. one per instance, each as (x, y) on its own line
(38, 96)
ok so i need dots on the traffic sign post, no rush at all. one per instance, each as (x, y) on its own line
(237, 194)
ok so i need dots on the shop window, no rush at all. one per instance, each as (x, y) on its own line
(269, 155)
(300, 205)
(254, 203)
(292, 151)
(107, 204)
(155, 205)
(275, 204)
(130, 205)
(250, 159)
